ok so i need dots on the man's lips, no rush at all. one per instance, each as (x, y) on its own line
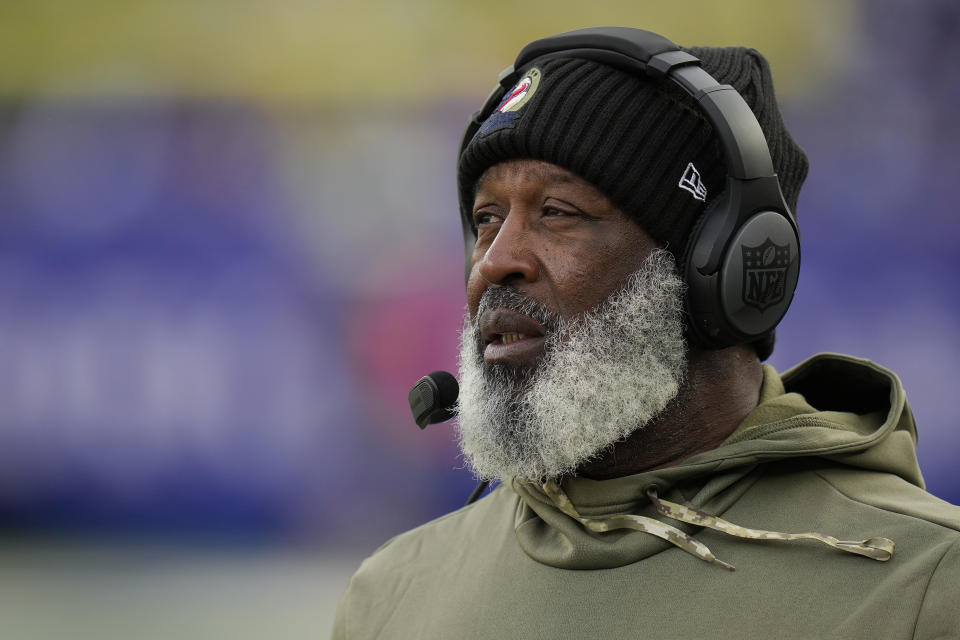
(511, 337)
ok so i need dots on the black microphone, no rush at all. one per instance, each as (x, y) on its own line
(433, 398)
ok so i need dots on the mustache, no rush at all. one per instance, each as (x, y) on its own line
(503, 297)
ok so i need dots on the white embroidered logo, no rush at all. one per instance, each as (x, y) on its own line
(690, 180)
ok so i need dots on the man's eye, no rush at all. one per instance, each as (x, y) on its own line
(567, 214)
(480, 219)
(554, 212)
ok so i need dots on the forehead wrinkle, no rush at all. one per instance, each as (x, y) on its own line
(527, 170)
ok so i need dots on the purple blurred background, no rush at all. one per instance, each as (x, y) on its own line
(212, 305)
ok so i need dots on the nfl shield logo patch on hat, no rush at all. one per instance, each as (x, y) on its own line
(509, 109)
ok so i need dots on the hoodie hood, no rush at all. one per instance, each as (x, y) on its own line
(830, 409)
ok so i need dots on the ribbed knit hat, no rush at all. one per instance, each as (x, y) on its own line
(634, 138)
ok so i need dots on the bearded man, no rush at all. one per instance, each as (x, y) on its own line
(644, 449)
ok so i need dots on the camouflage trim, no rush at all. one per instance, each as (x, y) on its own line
(638, 523)
(877, 548)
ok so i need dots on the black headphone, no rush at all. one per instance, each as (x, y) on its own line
(742, 260)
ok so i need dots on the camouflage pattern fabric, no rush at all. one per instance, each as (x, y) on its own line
(877, 548)
(638, 523)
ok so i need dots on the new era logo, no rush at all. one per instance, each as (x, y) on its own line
(691, 182)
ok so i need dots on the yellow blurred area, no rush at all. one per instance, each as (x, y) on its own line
(338, 51)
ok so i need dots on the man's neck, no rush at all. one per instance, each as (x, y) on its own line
(721, 388)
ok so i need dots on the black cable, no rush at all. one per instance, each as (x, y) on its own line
(476, 492)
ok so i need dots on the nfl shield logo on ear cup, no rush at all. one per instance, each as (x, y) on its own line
(759, 274)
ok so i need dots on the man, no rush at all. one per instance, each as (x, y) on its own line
(643, 458)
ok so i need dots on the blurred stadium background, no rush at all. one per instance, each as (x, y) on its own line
(229, 244)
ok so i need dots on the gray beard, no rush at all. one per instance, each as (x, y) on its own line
(603, 375)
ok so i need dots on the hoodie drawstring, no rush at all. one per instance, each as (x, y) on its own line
(877, 548)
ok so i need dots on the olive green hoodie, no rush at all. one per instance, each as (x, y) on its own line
(829, 449)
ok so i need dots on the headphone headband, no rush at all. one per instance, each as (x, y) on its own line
(635, 44)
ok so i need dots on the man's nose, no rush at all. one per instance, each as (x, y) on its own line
(511, 255)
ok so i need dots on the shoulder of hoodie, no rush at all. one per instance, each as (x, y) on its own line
(926, 531)
(431, 549)
(894, 496)
(449, 535)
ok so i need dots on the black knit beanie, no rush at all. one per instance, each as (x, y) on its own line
(642, 142)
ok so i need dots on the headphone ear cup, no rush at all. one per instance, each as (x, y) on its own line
(759, 274)
(751, 290)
